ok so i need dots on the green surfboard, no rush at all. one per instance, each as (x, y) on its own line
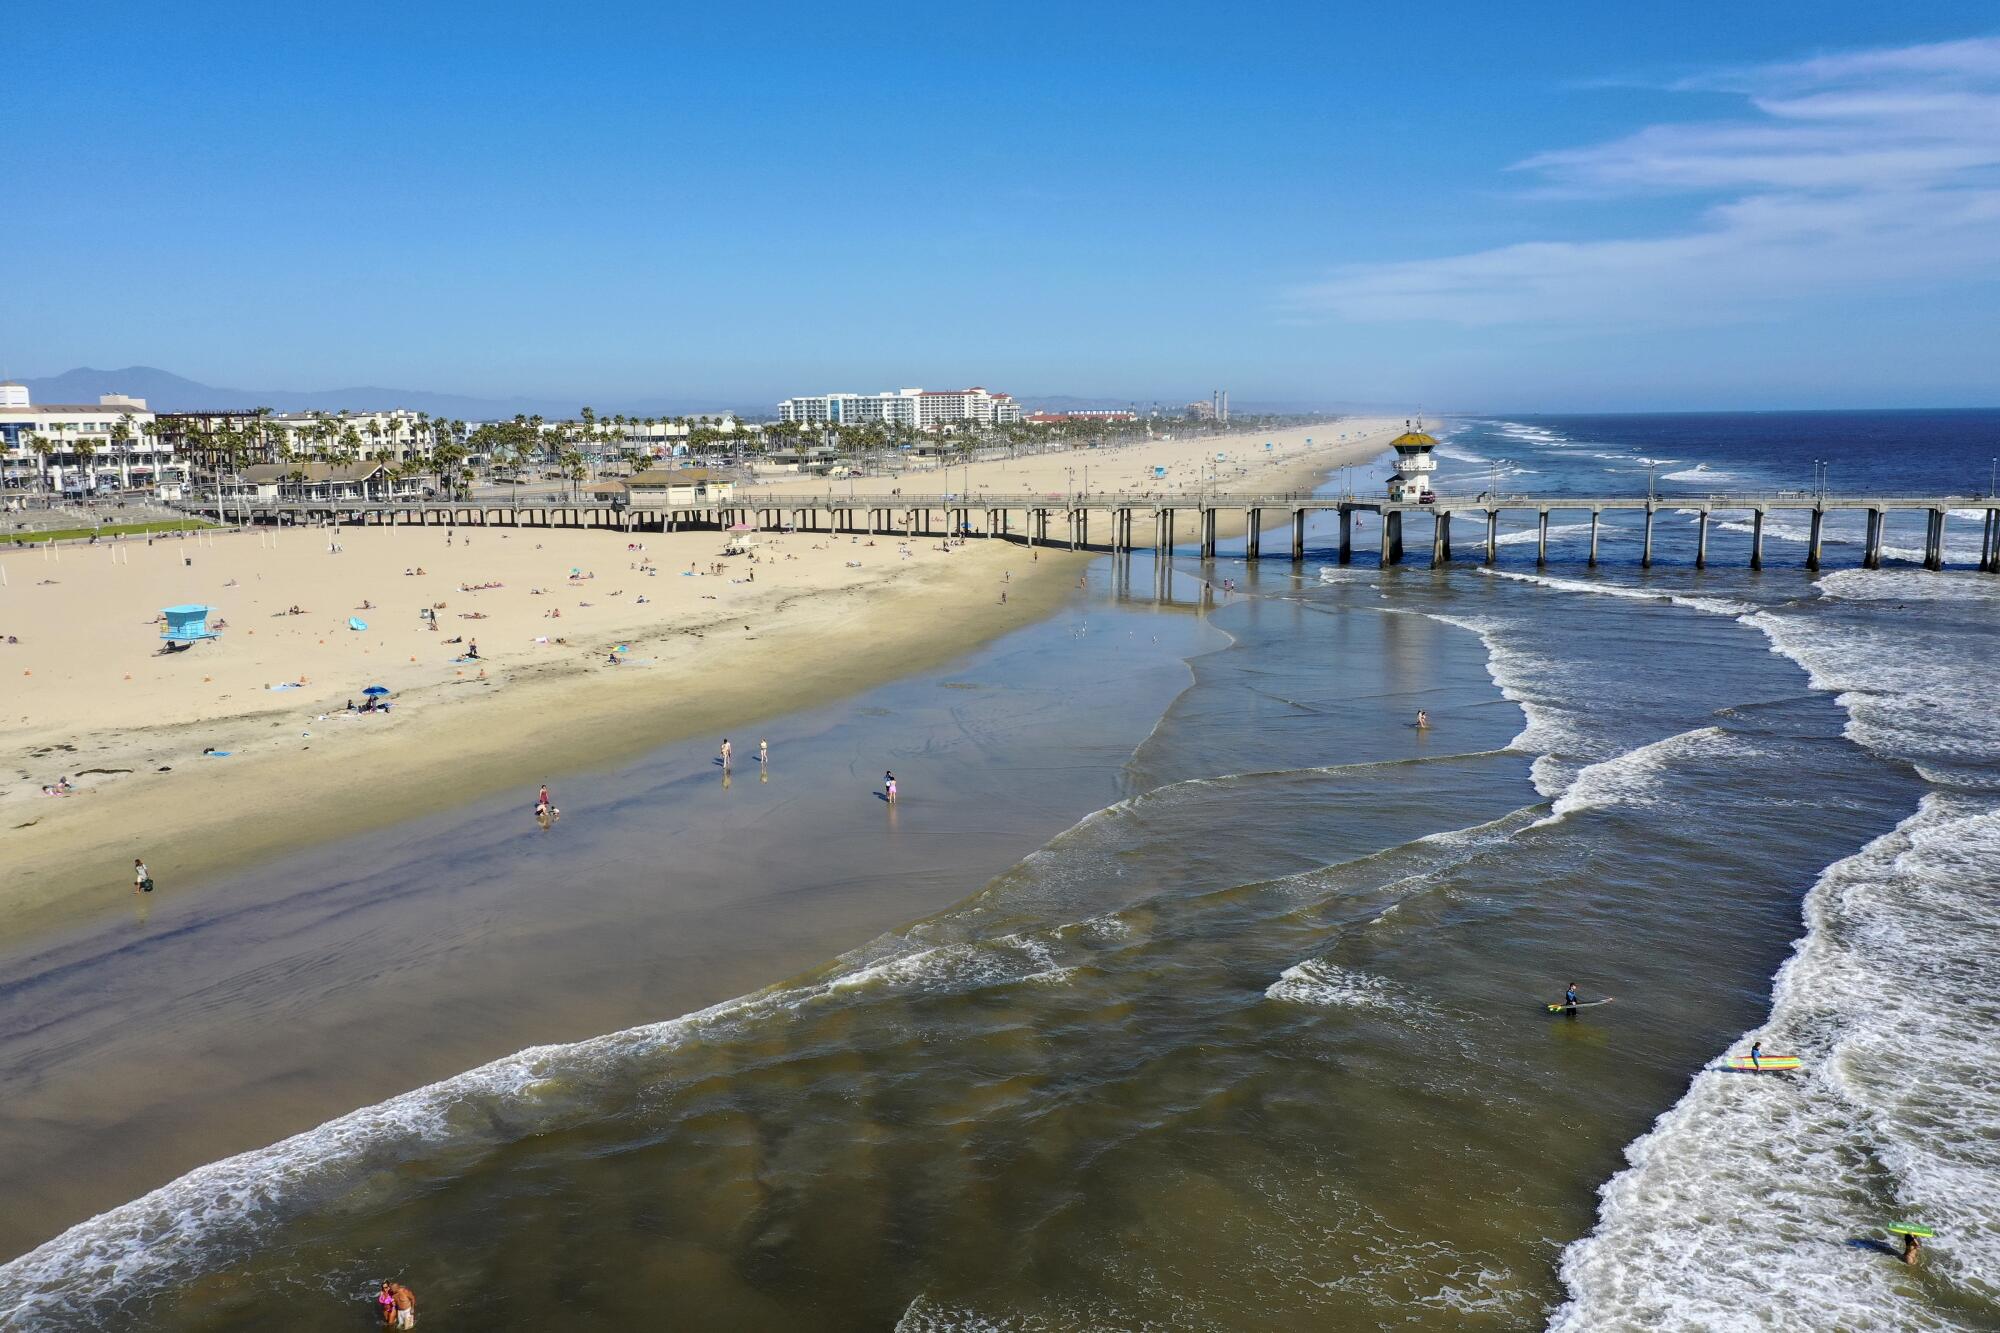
(1905, 1229)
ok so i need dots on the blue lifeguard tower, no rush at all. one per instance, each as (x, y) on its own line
(187, 625)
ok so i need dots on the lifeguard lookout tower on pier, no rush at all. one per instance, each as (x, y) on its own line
(1410, 483)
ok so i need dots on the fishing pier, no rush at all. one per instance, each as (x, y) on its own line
(1123, 523)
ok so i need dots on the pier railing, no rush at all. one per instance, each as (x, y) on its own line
(1055, 518)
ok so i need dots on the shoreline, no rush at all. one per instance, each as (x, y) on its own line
(830, 637)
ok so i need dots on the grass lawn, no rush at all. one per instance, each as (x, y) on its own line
(108, 530)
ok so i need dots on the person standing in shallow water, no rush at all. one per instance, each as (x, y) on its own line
(728, 754)
(142, 878)
(398, 1304)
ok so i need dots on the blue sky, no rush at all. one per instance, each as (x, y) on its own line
(1525, 207)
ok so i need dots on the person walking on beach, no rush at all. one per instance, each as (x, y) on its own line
(728, 754)
(142, 878)
(542, 797)
(763, 752)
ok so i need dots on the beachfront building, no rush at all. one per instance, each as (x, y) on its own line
(312, 479)
(920, 409)
(665, 489)
(1064, 418)
(80, 449)
(209, 440)
(1411, 481)
(395, 435)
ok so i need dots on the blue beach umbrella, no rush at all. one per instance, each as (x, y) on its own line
(376, 689)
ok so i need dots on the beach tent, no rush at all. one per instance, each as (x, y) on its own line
(354, 623)
(187, 624)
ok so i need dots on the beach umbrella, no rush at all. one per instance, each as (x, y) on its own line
(741, 527)
(376, 689)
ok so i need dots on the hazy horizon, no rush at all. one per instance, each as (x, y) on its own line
(1449, 208)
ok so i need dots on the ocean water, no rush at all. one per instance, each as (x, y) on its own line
(1261, 1043)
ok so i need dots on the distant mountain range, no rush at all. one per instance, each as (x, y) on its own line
(165, 391)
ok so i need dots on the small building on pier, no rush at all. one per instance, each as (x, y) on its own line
(305, 479)
(1410, 483)
(651, 489)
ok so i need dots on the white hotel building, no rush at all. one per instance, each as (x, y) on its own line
(924, 409)
(77, 449)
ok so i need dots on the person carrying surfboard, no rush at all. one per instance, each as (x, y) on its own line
(1910, 1247)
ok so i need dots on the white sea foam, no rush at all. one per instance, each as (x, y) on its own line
(1908, 586)
(1328, 986)
(1634, 779)
(1520, 675)
(1719, 606)
(1707, 475)
(1557, 531)
(957, 968)
(216, 1212)
(1910, 689)
(1741, 1207)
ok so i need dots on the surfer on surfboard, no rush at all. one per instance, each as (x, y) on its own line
(1571, 1002)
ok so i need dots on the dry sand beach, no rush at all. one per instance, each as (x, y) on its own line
(243, 747)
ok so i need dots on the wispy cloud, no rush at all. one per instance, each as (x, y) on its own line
(1850, 171)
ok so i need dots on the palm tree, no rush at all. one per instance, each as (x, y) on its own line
(43, 448)
(121, 447)
(84, 451)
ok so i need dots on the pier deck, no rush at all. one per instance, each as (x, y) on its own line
(1067, 520)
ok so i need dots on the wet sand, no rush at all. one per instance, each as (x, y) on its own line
(206, 1022)
(94, 701)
